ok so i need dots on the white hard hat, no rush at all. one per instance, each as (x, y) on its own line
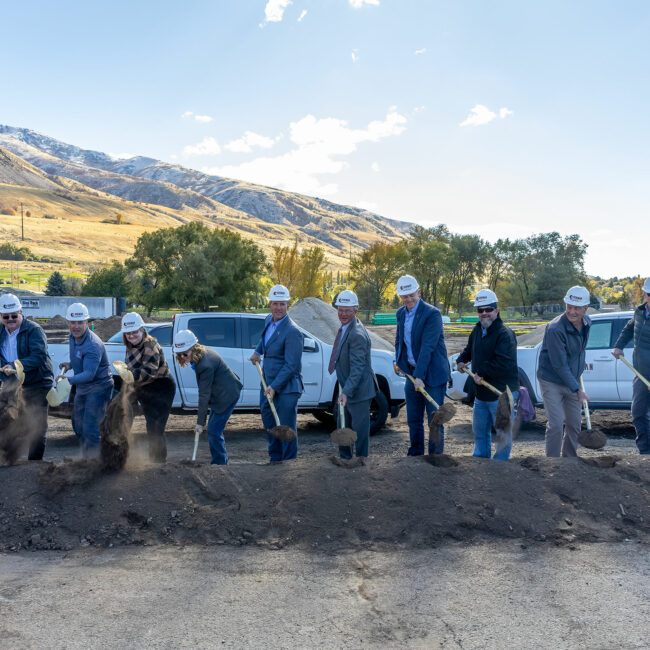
(485, 297)
(279, 293)
(347, 298)
(77, 311)
(407, 284)
(131, 322)
(646, 285)
(577, 296)
(9, 303)
(184, 340)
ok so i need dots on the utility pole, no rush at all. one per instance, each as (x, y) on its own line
(22, 222)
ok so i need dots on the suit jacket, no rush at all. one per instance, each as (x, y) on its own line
(427, 344)
(282, 356)
(31, 345)
(353, 366)
(218, 385)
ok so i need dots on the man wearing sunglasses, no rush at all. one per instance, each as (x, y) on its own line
(25, 341)
(561, 364)
(492, 351)
(638, 328)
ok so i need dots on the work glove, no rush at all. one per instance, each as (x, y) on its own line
(123, 371)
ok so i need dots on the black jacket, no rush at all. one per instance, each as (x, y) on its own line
(493, 357)
(31, 345)
(638, 327)
(218, 385)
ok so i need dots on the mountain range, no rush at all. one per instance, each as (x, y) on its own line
(175, 194)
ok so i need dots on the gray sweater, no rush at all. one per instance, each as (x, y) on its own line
(219, 386)
(562, 359)
(638, 327)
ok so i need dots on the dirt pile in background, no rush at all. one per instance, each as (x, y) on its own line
(533, 337)
(55, 323)
(313, 504)
(106, 327)
(322, 321)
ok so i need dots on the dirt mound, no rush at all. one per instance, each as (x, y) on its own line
(12, 412)
(322, 321)
(313, 504)
(55, 323)
(533, 337)
(106, 327)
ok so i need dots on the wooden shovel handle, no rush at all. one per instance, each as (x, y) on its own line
(270, 401)
(634, 370)
(341, 411)
(585, 406)
(424, 392)
(483, 383)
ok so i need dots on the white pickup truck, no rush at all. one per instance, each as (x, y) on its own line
(608, 382)
(234, 336)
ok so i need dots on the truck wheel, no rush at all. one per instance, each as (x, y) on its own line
(325, 417)
(378, 412)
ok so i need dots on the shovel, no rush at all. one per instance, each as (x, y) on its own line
(197, 435)
(19, 371)
(279, 431)
(505, 405)
(343, 437)
(635, 371)
(441, 415)
(591, 438)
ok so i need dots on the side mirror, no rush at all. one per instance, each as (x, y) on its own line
(309, 345)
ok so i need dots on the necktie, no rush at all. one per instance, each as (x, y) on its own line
(335, 351)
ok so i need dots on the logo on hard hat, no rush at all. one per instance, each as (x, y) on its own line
(76, 313)
(404, 286)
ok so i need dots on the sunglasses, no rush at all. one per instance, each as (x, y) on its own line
(9, 316)
(485, 310)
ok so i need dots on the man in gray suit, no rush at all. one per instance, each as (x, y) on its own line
(351, 360)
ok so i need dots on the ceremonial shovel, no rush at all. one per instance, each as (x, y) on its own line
(441, 415)
(591, 438)
(343, 437)
(635, 371)
(279, 431)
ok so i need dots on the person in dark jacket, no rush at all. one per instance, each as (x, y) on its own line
(561, 364)
(92, 379)
(152, 380)
(25, 341)
(492, 351)
(281, 346)
(420, 351)
(219, 389)
(350, 358)
(638, 328)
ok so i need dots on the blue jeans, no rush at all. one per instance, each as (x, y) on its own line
(87, 412)
(216, 425)
(641, 415)
(416, 405)
(286, 404)
(482, 422)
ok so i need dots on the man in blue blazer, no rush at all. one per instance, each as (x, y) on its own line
(281, 346)
(420, 351)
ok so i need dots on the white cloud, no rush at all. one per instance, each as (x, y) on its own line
(375, 167)
(419, 109)
(187, 114)
(249, 140)
(274, 10)
(367, 205)
(319, 146)
(421, 51)
(480, 115)
(207, 147)
(204, 119)
(355, 56)
(359, 3)
(303, 13)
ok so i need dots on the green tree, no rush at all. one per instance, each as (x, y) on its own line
(221, 272)
(469, 251)
(314, 280)
(55, 285)
(375, 269)
(428, 250)
(110, 281)
(285, 266)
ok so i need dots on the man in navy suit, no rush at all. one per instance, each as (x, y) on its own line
(420, 351)
(281, 346)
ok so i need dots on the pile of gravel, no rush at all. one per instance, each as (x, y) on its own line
(322, 321)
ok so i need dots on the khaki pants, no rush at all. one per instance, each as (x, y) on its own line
(564, 419)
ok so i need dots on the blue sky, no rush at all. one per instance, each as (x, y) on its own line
(499, 118)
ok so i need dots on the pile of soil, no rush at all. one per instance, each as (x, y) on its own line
(533, 337)
(322, 321)
(106, 327)
(55, 323)
(312, 503)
